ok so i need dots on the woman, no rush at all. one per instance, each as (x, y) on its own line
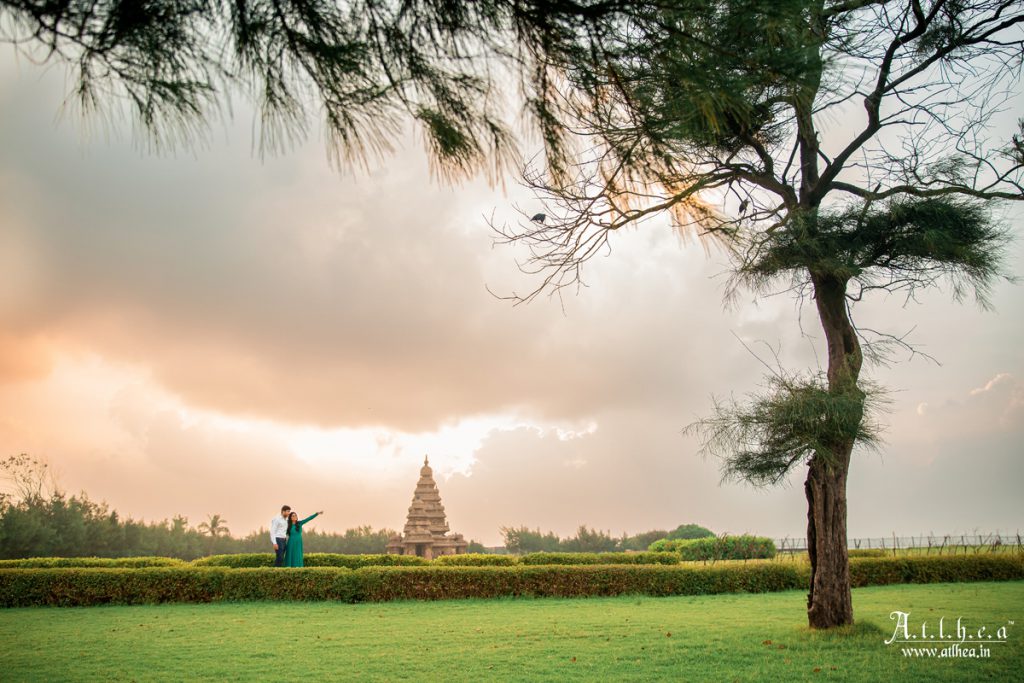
(293, 551)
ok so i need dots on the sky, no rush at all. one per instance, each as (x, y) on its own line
(204, 331)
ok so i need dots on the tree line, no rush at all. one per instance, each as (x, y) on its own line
(520, 540)
(59, 525)
(37, 519)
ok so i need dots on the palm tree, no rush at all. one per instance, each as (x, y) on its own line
(215, 526)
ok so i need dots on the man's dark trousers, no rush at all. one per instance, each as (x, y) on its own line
(279, 560)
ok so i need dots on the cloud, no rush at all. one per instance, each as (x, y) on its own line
(283, 291)
(632, 474)
(106, 429)
(23, 358)
(995, 406)
(125, 439)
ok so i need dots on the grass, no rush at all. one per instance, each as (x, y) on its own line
(721, 638)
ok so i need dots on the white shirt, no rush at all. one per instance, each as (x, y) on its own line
(278, 528)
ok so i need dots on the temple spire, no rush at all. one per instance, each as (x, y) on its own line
(426, 528)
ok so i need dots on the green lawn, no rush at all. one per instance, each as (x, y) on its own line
(721, 637)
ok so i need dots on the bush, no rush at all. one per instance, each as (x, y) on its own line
(685, 531)
(251, 560)
(440, 583)
(236, 560)
(868, 552)
(357, 561)
(600, 558)
(718, 548)
(476, 560)
(83, 587)
(869, 571)
(70, 562)
(673, 545)
(96, 586)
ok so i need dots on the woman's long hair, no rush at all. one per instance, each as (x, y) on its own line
(292, 524)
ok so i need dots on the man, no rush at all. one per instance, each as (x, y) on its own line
(279, 534)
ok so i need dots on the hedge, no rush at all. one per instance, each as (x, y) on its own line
(97, 586)
(465, 560)
(718, 548)
(86, 586)
(600, 558)
(380, 584)
(250, 560)
(477, 560)
(68, 562)
(868, 552)
(94, 586)
(869, 571)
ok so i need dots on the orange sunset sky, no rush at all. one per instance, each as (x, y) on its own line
(200, 332)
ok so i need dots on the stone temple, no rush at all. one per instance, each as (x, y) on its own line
(426, 529)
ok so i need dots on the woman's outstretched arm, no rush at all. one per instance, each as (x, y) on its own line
(301, 522)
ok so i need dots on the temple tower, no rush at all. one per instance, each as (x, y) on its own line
(426, 529)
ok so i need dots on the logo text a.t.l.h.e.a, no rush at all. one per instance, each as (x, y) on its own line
(904, 632)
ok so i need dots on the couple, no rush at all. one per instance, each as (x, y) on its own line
(286, 536)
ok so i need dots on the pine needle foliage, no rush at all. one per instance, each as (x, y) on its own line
(364, 67)
(763, 437)
(907, 243)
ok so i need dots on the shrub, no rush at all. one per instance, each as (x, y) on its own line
(312, 583)
(357, 561)
(439, 583)
(95, 586)
(83, 587)
(476, 560)
(70, 562)
(685, 531)
(870, 571)
(251, 560)
(600, 558)
(867, 552)
(236, 560)
(665, 545)
(718, 548)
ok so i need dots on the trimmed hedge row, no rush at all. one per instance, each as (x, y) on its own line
(86, 586)
(476, 560)
(112, 562)
(93, 586)
(444, 583)
(869, 571)
(867, 552)
(253, 560)
(600, 558)
(718, 548)
(481, 560)
(256, 560)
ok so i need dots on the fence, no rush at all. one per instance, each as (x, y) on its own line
(929, 543)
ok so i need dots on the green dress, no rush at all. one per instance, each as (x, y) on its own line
(293, 551)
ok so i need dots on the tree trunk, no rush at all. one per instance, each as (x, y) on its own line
(829, 602)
